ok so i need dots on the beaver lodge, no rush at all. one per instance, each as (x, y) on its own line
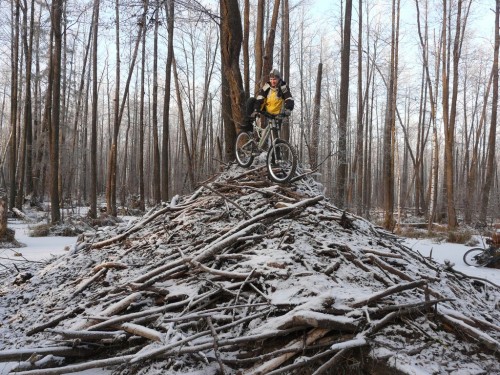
(247, 277)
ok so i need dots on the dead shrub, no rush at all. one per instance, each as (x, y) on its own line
(461, 237)
(40, 230)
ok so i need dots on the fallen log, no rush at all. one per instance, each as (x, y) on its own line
(476, 334)
(384, 293)
(14, 355)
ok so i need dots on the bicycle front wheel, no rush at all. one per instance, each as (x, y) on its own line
(281, 161)
(476, 257)
(244, 148)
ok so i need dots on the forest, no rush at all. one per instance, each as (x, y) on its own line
(113, 104)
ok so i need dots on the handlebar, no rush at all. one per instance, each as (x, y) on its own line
(279, 116)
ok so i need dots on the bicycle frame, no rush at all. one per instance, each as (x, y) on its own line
(263, 133)
(281, 159)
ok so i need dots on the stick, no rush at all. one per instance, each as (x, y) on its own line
(216, 346)
(80, 367)
(476, 334)
(54, 322)
(229, 275)
(14, 355)
(266, 367)
(140, 314)
(86, 283)
(245, 213)
(391, 290)
(142, 331)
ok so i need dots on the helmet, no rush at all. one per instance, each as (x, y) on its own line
(275, 73)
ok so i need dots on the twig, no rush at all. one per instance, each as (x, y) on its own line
(247, 215)
(391, 290)
(86, 283)
(331, 362)
(213, 271)
(216, 347)
(274, 363)
(54, 322)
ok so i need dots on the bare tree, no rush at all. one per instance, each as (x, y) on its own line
(142, 125)
(490, 171)
(15, 8)
(357, 170)
(156, 148)
(95, 99)
(57, 7)
(231, 38)
(390, 121)
(285, 69)
(166, 104)
(259, 45)
(25, 162)
(246, 56)
(185, 141)
(314, 144)
(269, 48)
(343, 108)
(119, 108)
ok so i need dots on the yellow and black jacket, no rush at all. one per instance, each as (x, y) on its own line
(272, 100)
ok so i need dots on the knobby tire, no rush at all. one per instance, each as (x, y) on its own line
(281, 161)
(244, 149)
(476, 257)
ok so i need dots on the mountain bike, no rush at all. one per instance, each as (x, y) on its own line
(482, 257)
(281, 157)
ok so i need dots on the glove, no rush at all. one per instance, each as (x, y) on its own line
(287, 112)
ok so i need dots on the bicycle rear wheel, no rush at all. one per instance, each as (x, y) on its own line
(281, 161)
(244, 148)
(476, 257)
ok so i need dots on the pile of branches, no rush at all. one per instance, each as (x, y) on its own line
(246, 277)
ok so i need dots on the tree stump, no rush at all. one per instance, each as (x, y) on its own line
(6, 234)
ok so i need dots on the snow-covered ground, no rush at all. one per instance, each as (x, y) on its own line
(453, 252)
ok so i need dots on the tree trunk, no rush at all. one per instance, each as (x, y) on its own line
(3, 216)
(119, 108)
(95, 98)
(111, 177)
(357, 171)
(343, 108)
(268, 53)
(472, 174)
(390, 124)
(313, 150)
(156, 150)
(231, 38)
(166, 104)
(13, 103)
(246, 56)
(57, 6)
(490, 165)
(142, 127)
(259, 45)
(25, 163)
(285, 49)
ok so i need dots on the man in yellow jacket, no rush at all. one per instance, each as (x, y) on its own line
(274, 97)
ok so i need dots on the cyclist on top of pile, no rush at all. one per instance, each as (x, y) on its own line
(274, 97)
